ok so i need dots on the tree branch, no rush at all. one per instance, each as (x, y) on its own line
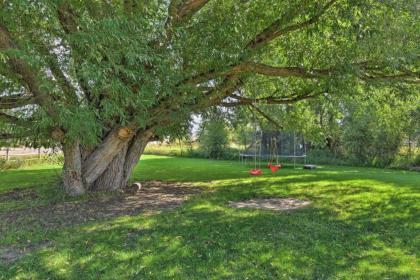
(179, 11)
(410, 78)
(66, 17)
(270, 99)
(262, 69)
(20, 67)
(65, 84)
(191, 7)
(300, 72)
(275, 30)
(9, 118)
(267, 117)
(15, 101)
(270, 33)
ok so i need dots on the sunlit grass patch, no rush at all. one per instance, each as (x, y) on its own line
(362, 223)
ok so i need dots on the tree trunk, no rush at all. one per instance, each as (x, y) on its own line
(104, 168)
(134, 152)
(72, 169)
(119, 170)
(111, 178)
(99, 160)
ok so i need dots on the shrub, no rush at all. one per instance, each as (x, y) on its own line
(10, 164)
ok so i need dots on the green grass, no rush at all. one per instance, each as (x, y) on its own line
(364, 223)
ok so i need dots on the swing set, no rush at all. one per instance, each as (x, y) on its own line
(272, 145)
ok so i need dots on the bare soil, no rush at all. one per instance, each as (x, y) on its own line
(18, 194)
(276, 204)
(10, 254)
(154, 195)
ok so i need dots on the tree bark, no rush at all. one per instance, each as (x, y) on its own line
(99, 160)
(111, 179)
(134, 152)
(72, 169)
(107, 167)
(117, 174)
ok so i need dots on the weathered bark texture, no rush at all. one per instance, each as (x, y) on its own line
(72, 169)
(106, 167)
(134, 152)
(111, 178)
(101, 157)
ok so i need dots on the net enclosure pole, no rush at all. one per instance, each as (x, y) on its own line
(294, 150)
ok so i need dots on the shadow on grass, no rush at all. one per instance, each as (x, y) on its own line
(206, 239)
(202, 170)
(362, 224)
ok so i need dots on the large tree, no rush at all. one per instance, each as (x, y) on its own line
(103, 78)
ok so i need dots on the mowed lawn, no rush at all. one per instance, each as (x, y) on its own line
(363, 223)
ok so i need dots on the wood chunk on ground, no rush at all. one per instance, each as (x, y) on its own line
(276, 204)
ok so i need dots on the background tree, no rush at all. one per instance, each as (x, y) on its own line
(102, 78)
(213, 138)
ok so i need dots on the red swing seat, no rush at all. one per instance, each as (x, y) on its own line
(255, 172)
(274, 168)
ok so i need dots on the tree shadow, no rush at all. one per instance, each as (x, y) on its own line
(198, 170)
(206, 239)
(360, 226)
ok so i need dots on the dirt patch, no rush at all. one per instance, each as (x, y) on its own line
(18, 194)
(11, 254)
(153, 195)
(276, 204)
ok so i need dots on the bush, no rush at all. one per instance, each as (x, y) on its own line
(325, 156)
(11, 164)
(22, 161)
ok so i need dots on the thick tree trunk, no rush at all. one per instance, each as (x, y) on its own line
(72, 169)
(117, 174)
(134, 152)
(106, 167)
(99, 160)
(111, 178)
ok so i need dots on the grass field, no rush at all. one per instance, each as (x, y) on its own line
(363, 223)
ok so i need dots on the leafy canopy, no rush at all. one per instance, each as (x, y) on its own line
(76, 69)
